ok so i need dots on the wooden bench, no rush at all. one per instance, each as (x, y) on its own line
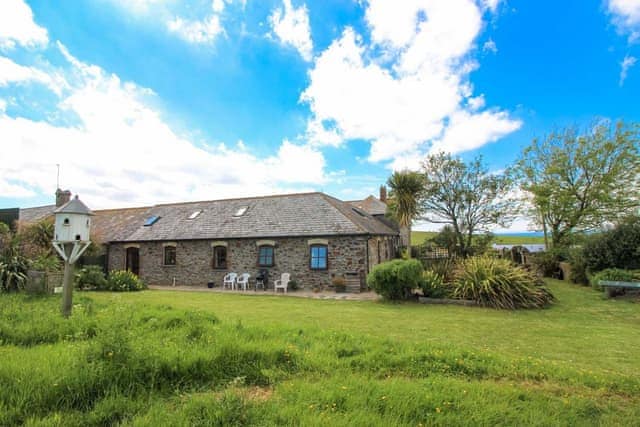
(610, 287)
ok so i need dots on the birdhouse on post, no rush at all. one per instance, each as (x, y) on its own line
(71, 239)
(72, 229)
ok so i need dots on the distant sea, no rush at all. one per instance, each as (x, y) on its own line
(523, 234)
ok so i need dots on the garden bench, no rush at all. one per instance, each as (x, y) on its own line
(611, 286)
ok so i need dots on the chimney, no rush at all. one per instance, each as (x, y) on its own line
(62, 197)
(383, 194)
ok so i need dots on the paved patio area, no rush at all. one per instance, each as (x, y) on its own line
(301, 293)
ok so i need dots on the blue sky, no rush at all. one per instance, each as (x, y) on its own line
(150, 101)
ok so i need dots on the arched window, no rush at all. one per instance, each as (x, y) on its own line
(219, 260)
(265, 256)
(169, 255)
(318, 257)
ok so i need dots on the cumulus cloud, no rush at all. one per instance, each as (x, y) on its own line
(120, 151)
(408, 90)
(291, 26)
(18, 27)
(196, 31)
(626, 17)
(625, 65)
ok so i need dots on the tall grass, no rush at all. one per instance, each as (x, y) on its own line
(149, 364)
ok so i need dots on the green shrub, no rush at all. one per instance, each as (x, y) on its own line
(395, 279)
(124, 280)
(613, 275)
(498, 283)
(433, 285)
(90, 276)
(617, 248)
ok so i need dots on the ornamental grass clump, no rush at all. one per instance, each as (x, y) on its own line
(498, 283)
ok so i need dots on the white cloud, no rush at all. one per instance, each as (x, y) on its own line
(490, 46)
(122, 153)
(626, 16)
(408, 90)
(217, 6)
(204, 31)
(468, 131)
(492, 5)
(625, 65)
(476, 103)
(291, 26)
(17, 26)
(193, 22)
(11, 72)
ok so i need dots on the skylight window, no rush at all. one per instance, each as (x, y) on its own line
(241, 211)
(359, 212)
(151, 220)
(195, 215)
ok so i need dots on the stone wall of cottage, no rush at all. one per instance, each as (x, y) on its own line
(291, 255)
(381, 249)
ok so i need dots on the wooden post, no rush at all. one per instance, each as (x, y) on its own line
(67, 285)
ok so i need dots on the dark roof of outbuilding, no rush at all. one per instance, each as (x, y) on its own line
(31, 215)
(305, 214)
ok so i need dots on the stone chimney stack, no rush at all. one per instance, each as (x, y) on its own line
(62, 197)
(383, 194)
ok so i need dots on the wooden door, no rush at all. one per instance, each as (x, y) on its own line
(133, 260)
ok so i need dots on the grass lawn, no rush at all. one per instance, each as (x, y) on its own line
(417, 237)
(197, 358)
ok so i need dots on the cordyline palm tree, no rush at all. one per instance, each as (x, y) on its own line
(404, 199)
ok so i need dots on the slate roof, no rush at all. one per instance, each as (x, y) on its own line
(110, 225)
(289, 215)
(30, 215)
(305, 214)
(371, 204)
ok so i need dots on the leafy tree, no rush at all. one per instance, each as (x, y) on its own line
(466, 197)
(404, 199)
(578, 182)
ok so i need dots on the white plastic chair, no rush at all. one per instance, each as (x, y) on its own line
(243, 281)
(230, 280)
(282, 283)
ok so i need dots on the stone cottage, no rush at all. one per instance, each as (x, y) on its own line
(312, 236)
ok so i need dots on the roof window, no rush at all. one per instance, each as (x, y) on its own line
(241, 211)
(359, 212)
(151, 220)
(195, 215)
